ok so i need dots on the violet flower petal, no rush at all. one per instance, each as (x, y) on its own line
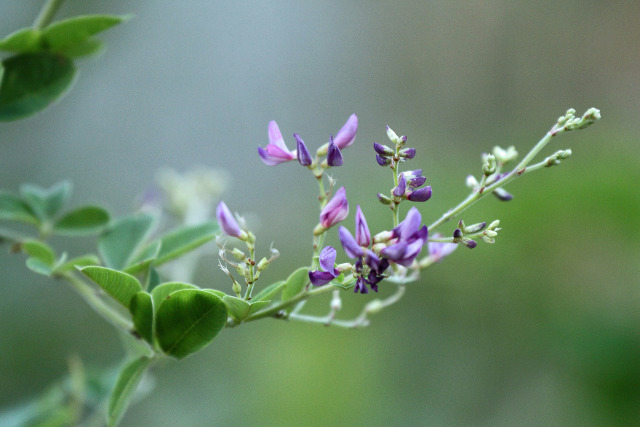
(226, 221)
(304, 157)
(402, 186)
(336, 210)
(328, 258)
(420, 195)
(347, 134)
(349, 244)
(334, 156)
(363, 236)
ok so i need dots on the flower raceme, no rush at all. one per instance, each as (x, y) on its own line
(276, 151)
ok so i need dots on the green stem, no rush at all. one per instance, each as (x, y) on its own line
(476, 195)
(46, 14)
(98, 304)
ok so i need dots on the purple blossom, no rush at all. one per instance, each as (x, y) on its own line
(369, 266)
(304, 157)
(409, 239)
(347, 134)
(502, 194)
(328, 272)
(402, 186)
(383, 150)
(382, 161)
(276, 151)
(334, 156)
(420, 195)
(227, 222)
(336, 210)
(408, 153)
(439, 250)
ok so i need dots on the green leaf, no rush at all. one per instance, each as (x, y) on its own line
(32, 81)
(295, 283)
(13, 208)
(118, 243)
(185, 239)
(141, 308)
(46, 202)
(82, 221)
(38, 266)
(257, 306)
(87, 47)
(81, 261)
(160, 292)
(188, 321)
(144, 258)
(121, 286)
(125, 387)
(38, 250)
(24, 40)
(76, 30)
(237, 307)
(269, 292)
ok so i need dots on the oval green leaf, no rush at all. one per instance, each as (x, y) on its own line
(125, 387)
(73, 31)
(24, 40)
(121, 286)
(119, 242)
(141, 308)
(82, 221)
(14, 209)
(185, 239)
(32, 81)
(237, 307)
(162, 291)
(38, 250)
(295, 283)
(46, 202)
(188, 321)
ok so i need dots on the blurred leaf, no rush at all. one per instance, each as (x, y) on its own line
(216, 292)
(185, 239)
(32, 81)
(38, 250)
(257, 306)
(77, 30)
(269, 292)
(23, 41)
(144, 258)
(125, 387)
(38, 266)
(118, 243)
(121, 286)
(46, 202)
(81, 261)
(13, 208)
(88, 47)
(10, 236)
(295, 283)
(81, 221)
(237, 307)
(141, 308)
(188, 320)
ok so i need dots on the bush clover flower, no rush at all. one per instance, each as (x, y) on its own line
(228, 223)
(408, 186)
(439, 250)
(334, 155)
(276, 151)
(304, 157)
(347, 134)
(369, 266)
(335, 211)
(328, 272)
(408, 239)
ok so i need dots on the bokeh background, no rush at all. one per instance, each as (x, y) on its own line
(541, 328)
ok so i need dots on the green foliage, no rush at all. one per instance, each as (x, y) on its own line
(13, 208)
(119, 285)
(141, 308)
(46, 203)
(120, 241)
(125, 387)
(188, 320)
(84, 220)
(42, 69)
(295, 283)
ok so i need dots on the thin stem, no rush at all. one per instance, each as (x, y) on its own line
(46, 14)
(90, 296)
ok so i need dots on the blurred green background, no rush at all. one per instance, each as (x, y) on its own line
(541, 328)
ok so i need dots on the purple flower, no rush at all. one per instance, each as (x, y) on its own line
(409, 239)
(439, 250)
(412, 179)
(276, 151)
(503, 195)
(369, 266)
(408, 153)
(420, 195)
(334, 156)
(336, 210)
(228, 223)
(304, 157)
(382, 161)
(402, 186)
(347, 134)
(328, 272)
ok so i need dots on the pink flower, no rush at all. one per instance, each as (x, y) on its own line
(276, 151)
(336, 210)
(347, 134)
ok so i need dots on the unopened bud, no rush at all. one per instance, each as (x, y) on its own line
(237, 254)
(489, 166)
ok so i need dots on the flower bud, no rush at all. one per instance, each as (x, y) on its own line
(382, 161)
(334, 156)
(228, 223)
(384, 199)
(408, 153)
(489, 166)
(335, 211)
(237, 254)
(383, 150)
(502, 194)
(304, 157)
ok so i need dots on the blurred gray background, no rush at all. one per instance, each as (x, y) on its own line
(541, 328)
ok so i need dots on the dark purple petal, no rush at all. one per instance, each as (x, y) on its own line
(417, 181)
(395, 252)
(457, 233)
(304, 157)
(502, 194)
(328, 258)
(408, 153)
(470, 243)
(409, 226)
(336, 210)
(363, 236)
(402, 186)
(319, 278)
(349, 244)
(420, 195)
(360, 286)
(382, 161)
(334, 156)
(226, 221)
(347, 134)
(383, 150)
